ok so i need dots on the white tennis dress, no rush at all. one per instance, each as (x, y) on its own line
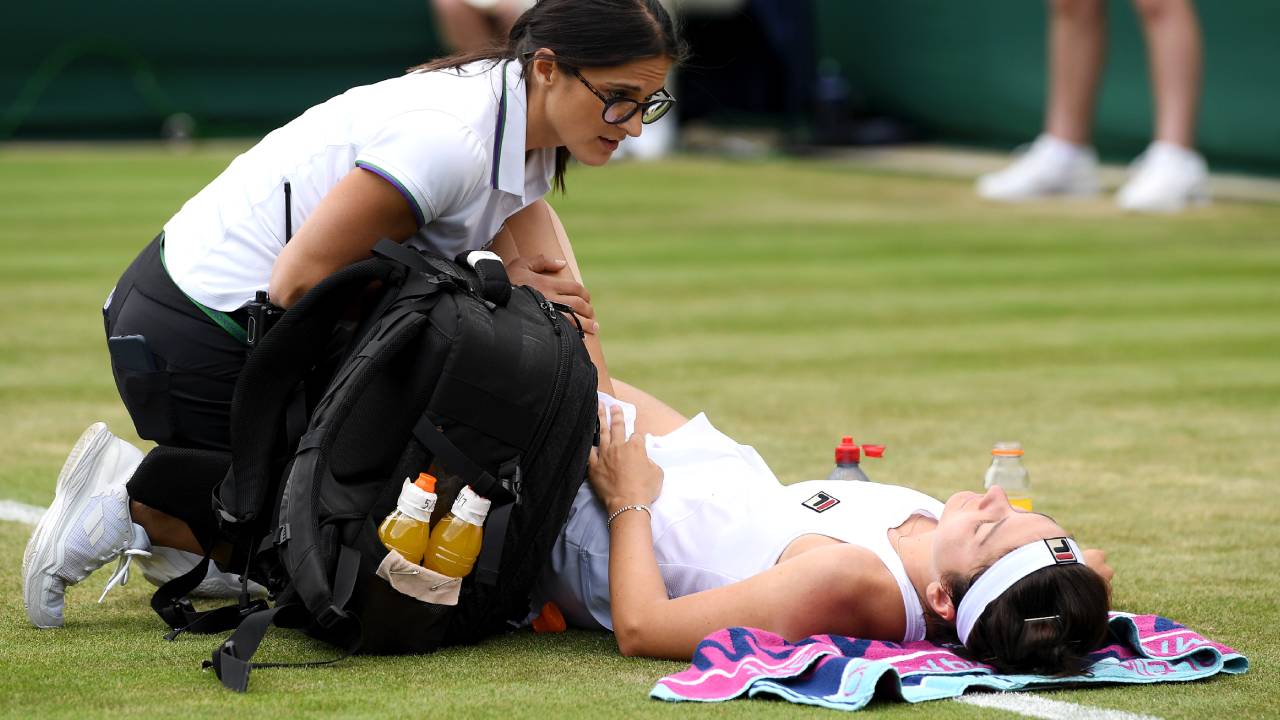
(723, 517)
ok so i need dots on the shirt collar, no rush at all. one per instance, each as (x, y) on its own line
(508, 170)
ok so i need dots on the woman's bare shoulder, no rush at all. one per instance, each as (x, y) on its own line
(843, 589)
(853, 568)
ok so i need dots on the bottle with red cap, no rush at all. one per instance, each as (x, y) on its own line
(848, 456)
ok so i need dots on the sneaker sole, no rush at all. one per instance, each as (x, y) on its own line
(1075, 193)
(68, 499)
(1195, 199)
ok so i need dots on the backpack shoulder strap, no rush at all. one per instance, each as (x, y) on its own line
(171, 604)
(408, 257)
(492, 283)
(233, 659)
(271, 373)
(495, 286)
(480, 480)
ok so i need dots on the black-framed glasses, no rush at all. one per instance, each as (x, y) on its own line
(618, 110)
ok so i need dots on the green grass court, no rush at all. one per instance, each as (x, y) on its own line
(1137, 360)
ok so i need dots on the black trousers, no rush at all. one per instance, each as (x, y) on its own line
(176, 381)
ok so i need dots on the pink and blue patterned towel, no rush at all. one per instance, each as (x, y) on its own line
(843, 673)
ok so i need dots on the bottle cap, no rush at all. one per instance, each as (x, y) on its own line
(416, 502)
(426, 481)
(850, 452)
(847, 451)
(470, 507)
(549, 620)
(1007, 449)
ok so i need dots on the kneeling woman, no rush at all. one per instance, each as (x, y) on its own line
(455, 156)
(684, 531)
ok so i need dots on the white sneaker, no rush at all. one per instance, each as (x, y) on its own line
(85, 527)
(1051, 166)
(165, 564)
(1165, 178)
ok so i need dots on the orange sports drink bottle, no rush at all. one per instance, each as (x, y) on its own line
(407, 529)
(1007, 471)
(455, 542)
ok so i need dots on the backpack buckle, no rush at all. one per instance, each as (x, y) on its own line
(510, 477)
(252, 607)
(331, 616)
(177, 614)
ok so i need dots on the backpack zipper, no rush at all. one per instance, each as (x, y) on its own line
(562, 370)
(524, 551)
(553, 403)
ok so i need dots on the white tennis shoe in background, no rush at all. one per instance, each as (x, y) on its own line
(165, 564)
(1049, 167)
(1165, 178)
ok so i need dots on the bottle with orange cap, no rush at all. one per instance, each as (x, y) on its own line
(408, 528)
(848, 458)
(1007, 471)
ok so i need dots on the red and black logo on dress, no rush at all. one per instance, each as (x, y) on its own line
(1061, 549)
(821, 502)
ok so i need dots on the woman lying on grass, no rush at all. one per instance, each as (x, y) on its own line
(683, 531)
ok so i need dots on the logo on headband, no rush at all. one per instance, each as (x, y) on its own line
(1062, 552)
(821, 502)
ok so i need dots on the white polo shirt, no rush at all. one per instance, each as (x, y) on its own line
(451, 142)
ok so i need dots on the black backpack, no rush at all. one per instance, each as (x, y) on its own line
(451, 369)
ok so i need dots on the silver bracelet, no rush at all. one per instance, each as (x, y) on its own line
(609, 523)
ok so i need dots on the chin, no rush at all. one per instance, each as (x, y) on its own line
(592, 158)
(591, 152)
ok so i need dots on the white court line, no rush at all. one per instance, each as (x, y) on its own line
(20, 512)
(1038, 707)
(1020, 703)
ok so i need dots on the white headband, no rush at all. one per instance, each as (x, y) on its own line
(1006, 571)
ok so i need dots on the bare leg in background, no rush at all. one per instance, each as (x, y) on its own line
(464, 27)
(1077, 51)
(1175, 56)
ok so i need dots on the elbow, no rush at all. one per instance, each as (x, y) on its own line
(287, 298)
(286, 289)
(648, 641)
(294, 274)
(631, 639)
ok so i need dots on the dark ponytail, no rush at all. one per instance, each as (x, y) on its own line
(582, 34)
(1073, 597)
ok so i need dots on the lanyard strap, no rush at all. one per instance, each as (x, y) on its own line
(222, 319)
